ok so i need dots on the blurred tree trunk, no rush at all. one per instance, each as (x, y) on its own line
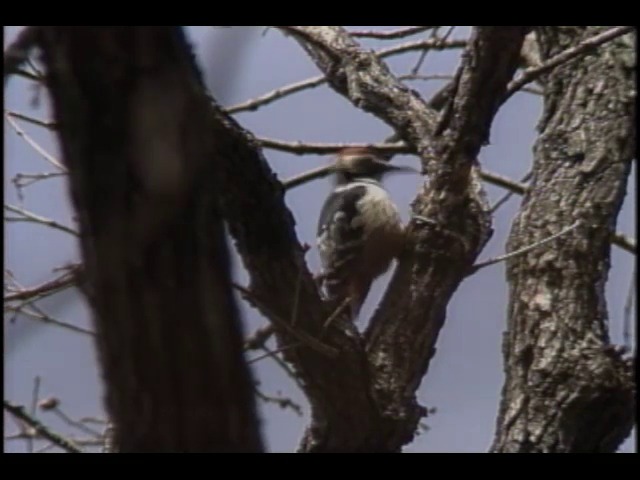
(135, 133)
(567, 388)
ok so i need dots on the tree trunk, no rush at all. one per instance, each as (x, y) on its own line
(136, 137)
(567, 388)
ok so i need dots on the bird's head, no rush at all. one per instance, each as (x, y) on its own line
(361, 163)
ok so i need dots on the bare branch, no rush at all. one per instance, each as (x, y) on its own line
(423, 55)
(39, 315)
(523, 250)
(21, 133)
(272, 353)
(531, 73)
(282, 402)
(20, 72)
(45, 289)
(281, 323)
(62, 442)
(48, 124)
(259, 338)
(426, 44)
(305, 148)
(508, 195)
(389, 34)
(27, 216)
(504, 182)
(305, 177)
(74, 423)
(270, 97)
(254, 104)
(411, 77)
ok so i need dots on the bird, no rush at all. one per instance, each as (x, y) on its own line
(359, 230)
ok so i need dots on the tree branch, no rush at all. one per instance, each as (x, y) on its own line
(401, 335)
(272, 96)
(588, 45)
(18, 412)
(389, 34)
(567, 388)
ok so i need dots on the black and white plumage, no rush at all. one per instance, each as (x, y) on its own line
(360, 231)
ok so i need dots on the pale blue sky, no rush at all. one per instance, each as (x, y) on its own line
(466, 374)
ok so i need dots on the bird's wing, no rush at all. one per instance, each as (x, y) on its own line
(339, 237)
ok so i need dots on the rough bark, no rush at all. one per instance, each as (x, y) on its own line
(136, 137)
(451, 222)
(567, 388)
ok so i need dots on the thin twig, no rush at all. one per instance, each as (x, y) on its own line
(305, 177)
(84, 442)
(389, 34)
(305, 148)
(32, 217)
(628, 307)
(273, 353)
(522, 251)
(299, 334)
(270, 97)
(417, 76)
(21, 72)
(286, 368)
(423, 55)
(336, 313)
(282, 402)
(21, 180)
(441, 76)
(509, 194)
(532, 73)
(98, 421)
(427, 44)
(504, 182)
(259, 338)
(30, 301)
(62, 442)
(41, 316)
(261, 101)
(45, 289)
(21, 133)
(48, 124)
(74, 423)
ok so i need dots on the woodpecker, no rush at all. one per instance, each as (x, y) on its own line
(359, 230)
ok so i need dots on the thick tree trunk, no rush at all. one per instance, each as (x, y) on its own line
(567, 388)
(136, 137)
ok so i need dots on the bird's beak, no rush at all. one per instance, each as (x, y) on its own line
(389, 167)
